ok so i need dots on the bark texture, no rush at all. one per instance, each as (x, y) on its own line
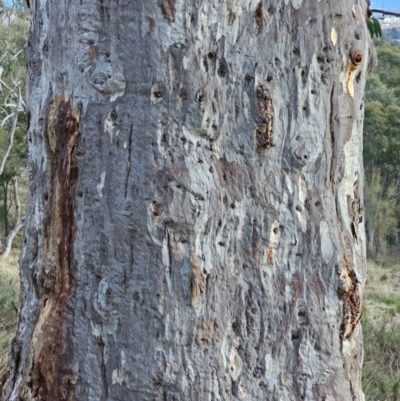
(195, 227)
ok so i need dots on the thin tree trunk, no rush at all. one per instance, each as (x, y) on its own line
(195, 227)
(5, 205)
(11, 237)
(16, 201)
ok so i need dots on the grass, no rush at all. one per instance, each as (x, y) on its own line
(381, 372)
(9, 296)
(381, 331)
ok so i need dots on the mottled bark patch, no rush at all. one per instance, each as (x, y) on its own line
(51, 377)
(168, 8)
(197, 280)
(355, 210)
(265, 118)
(208, 333)
(350, 296)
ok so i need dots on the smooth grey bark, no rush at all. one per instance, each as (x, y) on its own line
(11, 237)
(16, 201)
(195, 226)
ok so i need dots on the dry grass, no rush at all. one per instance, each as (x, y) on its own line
(381, 331)
(9, 295)
(382, 292)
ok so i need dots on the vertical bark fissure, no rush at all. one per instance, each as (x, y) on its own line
(51, 376)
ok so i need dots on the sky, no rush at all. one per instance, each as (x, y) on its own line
(388, 5)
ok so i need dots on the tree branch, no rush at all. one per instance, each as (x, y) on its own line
(386, 12)
(11, 236)
(18, 110)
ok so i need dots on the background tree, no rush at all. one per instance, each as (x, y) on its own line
(195, 226)
(382, 150)
(13, 124)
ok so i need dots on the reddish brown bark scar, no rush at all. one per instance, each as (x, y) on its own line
(51, 377)
(168, 8)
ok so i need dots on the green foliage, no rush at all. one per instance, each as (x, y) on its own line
(381, 371)
(374, 28)
(382, 151)
(382, 213)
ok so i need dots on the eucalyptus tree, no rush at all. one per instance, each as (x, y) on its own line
(195, 229)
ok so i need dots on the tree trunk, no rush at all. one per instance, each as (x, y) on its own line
(5, 205)
(195, 226)
(16, 201)
(11, 237)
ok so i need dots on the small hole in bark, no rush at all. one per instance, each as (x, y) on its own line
(157, 94)
(221, 243)
(232, 206)
(211, 55)
(276, 230)
(46, 196)
(313, 91)
(295, 336)
(269, 78)
(222, 70)
(211, 170)
(183, 94)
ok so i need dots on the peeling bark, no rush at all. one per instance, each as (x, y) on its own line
(195, 230)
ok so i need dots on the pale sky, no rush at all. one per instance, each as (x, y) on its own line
(388, 5)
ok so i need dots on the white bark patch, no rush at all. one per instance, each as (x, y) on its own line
(37, 217)
(118, 375)
(351, 152)
(297, 4)
(333, 36)
(166, 262)
(302, 198)
(235, 363)
(302, 190)
(100, 185)
(152, 225)
(289, 184)
(246, 105)
(103, 307)
(109, 125)
(327, 249)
